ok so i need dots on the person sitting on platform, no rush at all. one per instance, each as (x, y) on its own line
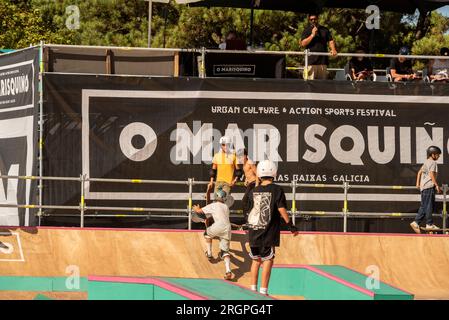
(360, 68)
(232, 42)
(401, 68)
(438, 69)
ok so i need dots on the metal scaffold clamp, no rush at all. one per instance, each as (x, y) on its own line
(345, 206)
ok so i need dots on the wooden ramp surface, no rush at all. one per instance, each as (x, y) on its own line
(415, 263)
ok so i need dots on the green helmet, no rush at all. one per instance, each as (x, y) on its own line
(221, 195)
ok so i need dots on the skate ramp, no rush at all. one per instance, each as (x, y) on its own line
(160, 288)
(414, 263)
(327, 282)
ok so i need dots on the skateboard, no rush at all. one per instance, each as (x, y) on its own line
(435, 231)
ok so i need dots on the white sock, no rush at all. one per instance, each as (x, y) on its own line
(227, 261)
(263, 290)
(209, 248)
(253, 287)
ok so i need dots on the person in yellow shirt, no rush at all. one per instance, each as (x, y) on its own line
(225, 169)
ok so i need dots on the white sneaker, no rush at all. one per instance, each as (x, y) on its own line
(415, 227)
(431, 227)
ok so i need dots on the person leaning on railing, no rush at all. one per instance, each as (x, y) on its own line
(316, 38)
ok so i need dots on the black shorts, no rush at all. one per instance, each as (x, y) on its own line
(262, 253)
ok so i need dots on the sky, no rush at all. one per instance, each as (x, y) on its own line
(444, 11)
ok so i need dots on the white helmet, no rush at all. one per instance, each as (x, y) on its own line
(266, 168)
(225, 140)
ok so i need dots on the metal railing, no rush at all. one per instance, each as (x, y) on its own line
(203, 54)
(307, 53)
(345, 213)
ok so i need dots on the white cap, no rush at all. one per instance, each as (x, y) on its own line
(225, 140)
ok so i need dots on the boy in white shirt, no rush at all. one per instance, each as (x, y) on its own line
(218, 226)
(426, 181)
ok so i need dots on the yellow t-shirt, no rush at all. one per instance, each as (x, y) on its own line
(225, 166)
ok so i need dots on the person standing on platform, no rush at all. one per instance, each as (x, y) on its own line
(225, 169)
(268, 204)
(251, 180)
(217, 226)
(316, 38)
(426, 181)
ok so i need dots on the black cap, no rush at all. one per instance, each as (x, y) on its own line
(404, 51)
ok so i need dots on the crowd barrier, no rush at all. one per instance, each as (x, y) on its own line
(345, 213)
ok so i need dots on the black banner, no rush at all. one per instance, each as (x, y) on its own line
(19, 96)
(320, 132)
(245, 65)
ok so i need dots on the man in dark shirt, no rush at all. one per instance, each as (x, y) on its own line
(268, 204)
(401, 68)
(360, 68)
(315, 38)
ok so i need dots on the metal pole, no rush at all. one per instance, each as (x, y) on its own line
(251, 25)
(444, 205)
(203, 63)
(190, 202)
(165, 23)
(41, 127)
(150, 18)
(306, 64)
(345, 207)
(82, 203)
(294, 202)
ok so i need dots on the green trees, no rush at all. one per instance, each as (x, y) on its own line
(436, 38)
(125, 23)
(101, 22)
(22, 24)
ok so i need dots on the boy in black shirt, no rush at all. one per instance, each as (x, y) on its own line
(401, 68)
(268, 204)
(360, 68)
